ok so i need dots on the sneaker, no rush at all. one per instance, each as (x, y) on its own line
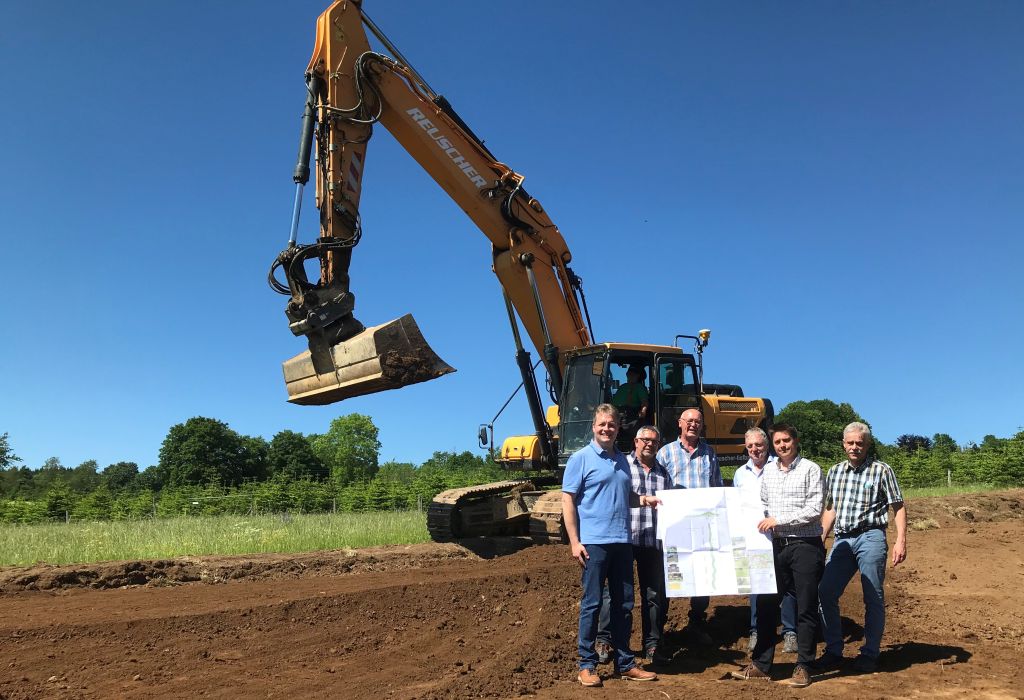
(789, 643)
(604, 652)
(865, 664)
(638, 674)
(801, 678)
(827, 662)
(588, 678)
(750, 672)
(753, 641)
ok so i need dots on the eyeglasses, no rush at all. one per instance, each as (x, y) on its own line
(647, 441)
(691, 422)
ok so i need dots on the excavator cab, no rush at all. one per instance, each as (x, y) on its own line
(610, 374)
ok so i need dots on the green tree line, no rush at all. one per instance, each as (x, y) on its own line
(917, 460)
(205, 467)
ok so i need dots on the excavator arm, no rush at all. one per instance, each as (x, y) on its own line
(350, 88)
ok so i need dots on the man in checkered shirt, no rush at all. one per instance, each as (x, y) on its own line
(858, 495)
(693, 464)
(791, 493)
(649, 478)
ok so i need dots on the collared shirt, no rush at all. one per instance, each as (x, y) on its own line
(599, 481)
(793, 497)
(747, 478)
(698, 470)
(861, 496)
(643, 522)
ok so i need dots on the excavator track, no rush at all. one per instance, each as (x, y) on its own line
(498, 508)
(546, 526)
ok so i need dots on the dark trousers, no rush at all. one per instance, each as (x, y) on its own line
(799, 562)
(650, 574)
(699, 610)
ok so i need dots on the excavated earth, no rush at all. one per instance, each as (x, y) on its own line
(493, 619)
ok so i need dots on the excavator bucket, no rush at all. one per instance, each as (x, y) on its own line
(383, 357)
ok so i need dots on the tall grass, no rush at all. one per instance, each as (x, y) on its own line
(79, 542)
(930, 491)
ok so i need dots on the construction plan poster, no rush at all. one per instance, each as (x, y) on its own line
(711, 544)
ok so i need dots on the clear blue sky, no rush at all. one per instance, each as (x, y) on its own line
(835, 189)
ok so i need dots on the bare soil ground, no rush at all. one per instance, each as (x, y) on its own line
(482, 620)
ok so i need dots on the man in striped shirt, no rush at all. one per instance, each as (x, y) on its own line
(858, 495)
(693, 464)
(649, 478)
(791, 493)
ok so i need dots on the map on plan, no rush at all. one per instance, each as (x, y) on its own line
(711, 544)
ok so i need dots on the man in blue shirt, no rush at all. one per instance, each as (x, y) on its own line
(596, 496)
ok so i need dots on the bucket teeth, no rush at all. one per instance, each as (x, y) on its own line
(388, 356)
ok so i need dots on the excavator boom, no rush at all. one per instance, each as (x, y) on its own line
(349, 89)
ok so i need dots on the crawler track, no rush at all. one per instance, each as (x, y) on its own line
(470, 511)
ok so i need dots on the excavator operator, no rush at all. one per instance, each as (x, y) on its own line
(631, 400)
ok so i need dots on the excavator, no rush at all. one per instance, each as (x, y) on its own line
(351, 87)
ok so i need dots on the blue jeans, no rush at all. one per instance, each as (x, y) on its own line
(612, 563)
(867, 552)
(788, 613)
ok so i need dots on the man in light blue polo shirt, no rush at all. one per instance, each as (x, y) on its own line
(596, 496)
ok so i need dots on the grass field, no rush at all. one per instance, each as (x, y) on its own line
(162, 538)
(59, 543)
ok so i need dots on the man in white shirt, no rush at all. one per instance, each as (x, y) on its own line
(748, 478)
(792, 496)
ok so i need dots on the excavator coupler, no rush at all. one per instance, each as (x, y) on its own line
(388, 356)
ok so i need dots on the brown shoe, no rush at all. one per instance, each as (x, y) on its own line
(588, 677)
(801, 678)
(750, 672)
(638, 674)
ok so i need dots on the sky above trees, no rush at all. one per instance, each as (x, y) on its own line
(834, 190)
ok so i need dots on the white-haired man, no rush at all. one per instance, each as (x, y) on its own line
(858, 495)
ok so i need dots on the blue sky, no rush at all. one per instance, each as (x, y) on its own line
(835, 189)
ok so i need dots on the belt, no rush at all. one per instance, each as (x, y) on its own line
(858, 531)
(785, 540)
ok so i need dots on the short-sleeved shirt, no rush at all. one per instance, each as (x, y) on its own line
(861, 496)
(643, 522)
(793, 497)
(698, 470)
(746, 478)
(600, 483)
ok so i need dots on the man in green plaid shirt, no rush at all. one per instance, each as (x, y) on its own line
(858, 495)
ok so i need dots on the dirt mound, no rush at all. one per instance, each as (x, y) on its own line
(441, 621)
(169, 572)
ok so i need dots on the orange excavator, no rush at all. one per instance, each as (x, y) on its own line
(350, 88)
